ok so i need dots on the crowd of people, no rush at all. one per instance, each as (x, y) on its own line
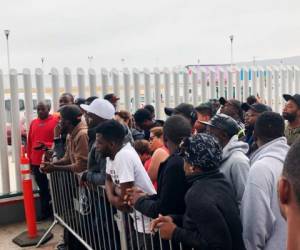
(222, 175)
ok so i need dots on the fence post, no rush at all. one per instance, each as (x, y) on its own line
(55, 88)
(68, 80)
(126, 77)
(136, 84)
(167, 87)
(254, 81)
(221, 91)
(39, 77)
(230, 84)
(15, 117)
(185, 86)
(269, 87)
(238, 84)
(262, 92)
(147, 87)
(290, 80)
(157, 92)
(276, 89)
(116, 82)
(3, 142)
(81, 83)
(104, 80)
(176, 86)
(195, 87)
(297, 79)
(28, 97)
(203, 86)
(92, 82)
(246, 84)
(212, 83)
(283, 82)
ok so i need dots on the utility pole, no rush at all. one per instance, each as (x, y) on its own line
(231, 50)
(6, 32)
(90, 58)
(43, 60)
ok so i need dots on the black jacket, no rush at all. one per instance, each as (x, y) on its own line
(211, 220)
(96, 173)
(170, 193)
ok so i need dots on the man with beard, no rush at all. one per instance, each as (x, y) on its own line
(291, 113)
(252, 113)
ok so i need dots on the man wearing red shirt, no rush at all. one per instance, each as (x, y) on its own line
(41, 133)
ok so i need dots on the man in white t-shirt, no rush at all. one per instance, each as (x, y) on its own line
(124, 170)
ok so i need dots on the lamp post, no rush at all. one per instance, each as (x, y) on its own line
(6, 33)
(231, 50)
(43, 60)
(90, 58)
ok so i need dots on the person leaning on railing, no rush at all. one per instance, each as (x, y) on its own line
(124, 169)
(75, 158)
(211, 219)
(171, 180)
(96, 113)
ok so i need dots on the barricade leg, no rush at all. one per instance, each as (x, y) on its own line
(54, 223)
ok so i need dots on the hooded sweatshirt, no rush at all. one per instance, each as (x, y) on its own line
(211, 219)
(263, 225)
(235, 165)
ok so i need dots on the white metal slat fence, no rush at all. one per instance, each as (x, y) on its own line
(163, 88)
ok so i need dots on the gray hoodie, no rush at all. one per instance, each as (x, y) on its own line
(235, 165)
(263, 225)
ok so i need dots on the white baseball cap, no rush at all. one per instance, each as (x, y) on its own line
(101, 108)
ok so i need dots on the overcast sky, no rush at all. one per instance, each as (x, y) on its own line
(146, 33)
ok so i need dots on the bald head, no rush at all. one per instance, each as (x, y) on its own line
(43, 109)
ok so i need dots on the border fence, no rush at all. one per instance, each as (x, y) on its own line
(19, 93)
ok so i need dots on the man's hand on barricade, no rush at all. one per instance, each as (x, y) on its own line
(165, 226)
(48, 155)
(47, 167)
(132, 195)
(122, 206)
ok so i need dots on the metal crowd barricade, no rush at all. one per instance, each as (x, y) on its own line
(84, 211)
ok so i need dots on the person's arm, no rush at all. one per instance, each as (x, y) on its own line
(96, 173)
(80, 154)
(239, 174)
(65, 160)
(158, 157)
(96, 178)
(210, 230)
(256, 213)
(171, 196)
(115, 199)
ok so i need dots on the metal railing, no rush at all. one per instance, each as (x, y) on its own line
(84, 211)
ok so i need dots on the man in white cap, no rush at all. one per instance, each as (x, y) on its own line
(97, 112)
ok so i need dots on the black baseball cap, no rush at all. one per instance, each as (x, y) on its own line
(224, 122)
(295, 98)
(257, 107)
(183, 108)
(205, 105)
(237, 104)
(111, 97)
